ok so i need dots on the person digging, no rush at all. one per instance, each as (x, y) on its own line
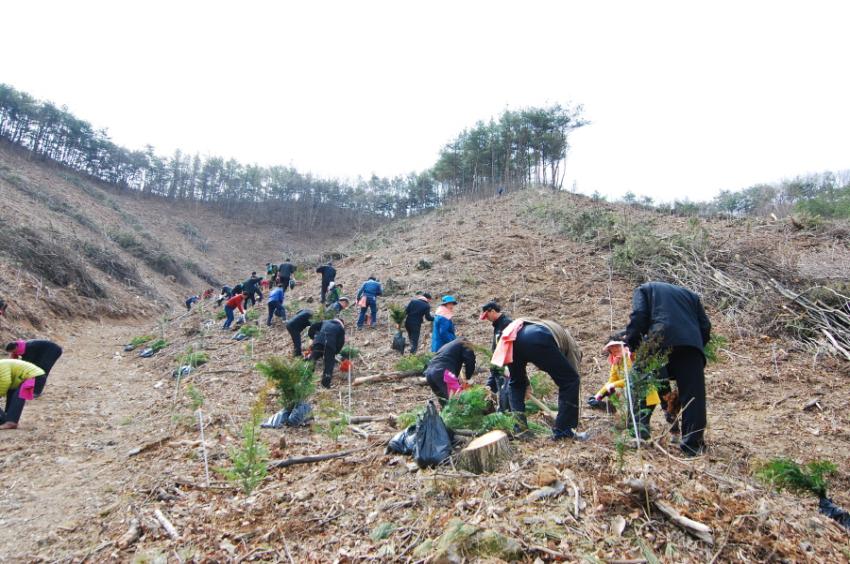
(42, 353)
(17, 383)
(552, 349)
(326, 345)
(443, 371)
(492, 312)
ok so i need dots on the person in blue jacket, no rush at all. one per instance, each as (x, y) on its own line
(443, 327)
(275, 304)
(370, 290)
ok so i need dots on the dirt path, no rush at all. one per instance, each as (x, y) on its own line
(64, 469)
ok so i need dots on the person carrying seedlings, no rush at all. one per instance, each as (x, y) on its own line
(341, 304)
(190, 301)
(334, 292)
(285, 271)
(328, 341)
(234, 303)
(40, 352)
(295, 327)
(676, 315)
(443, 328)
(443, 371)
(251, 287)
(17, 383)
(271, 272)
(328, 273)
(275, 304)
(415, 314)
(552, 349)
(367, 298)
(492, 312)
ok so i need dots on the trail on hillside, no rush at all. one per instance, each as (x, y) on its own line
(65, 468)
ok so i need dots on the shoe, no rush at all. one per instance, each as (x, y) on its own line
(326, 382)
(36, 396)
(8, 425)
(574, 435)
(594, 403)
(689, 450)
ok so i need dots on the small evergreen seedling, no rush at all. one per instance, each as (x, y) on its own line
(293, 379)
(159, 344)
(397, 314)
(414, 363)
(249, 460)
(141, 340)
(785, 474)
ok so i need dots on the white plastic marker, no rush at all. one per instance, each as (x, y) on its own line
(204, 446)
(629, 392)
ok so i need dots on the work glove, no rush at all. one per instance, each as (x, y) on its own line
(594, 401)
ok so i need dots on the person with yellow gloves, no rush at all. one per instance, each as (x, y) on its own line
(17, 383)
(617, 376)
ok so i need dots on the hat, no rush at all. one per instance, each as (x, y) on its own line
(344, 299)
(613, 344)
(426, 295)
(489, 306)
(448, 300)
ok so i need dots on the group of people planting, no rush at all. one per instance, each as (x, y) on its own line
(668, 320)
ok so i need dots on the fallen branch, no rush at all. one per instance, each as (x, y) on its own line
(547, 413)
(576, 494)
(385, 377)
(166, 524)
(131, 536)
(649, 492)
(310, 459)
(147, 446)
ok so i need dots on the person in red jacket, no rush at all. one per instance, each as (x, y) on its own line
(233, 303)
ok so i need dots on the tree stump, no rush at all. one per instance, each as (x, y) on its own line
(485, 453)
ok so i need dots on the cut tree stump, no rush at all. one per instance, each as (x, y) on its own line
(485, 453)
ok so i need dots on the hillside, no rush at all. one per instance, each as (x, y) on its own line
(72, 247)
(526, 251)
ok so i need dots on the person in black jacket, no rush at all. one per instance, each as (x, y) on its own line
(226, 294)
(451, 357)
(416, 312)
(252, 286)
(328, 342)
(492, 312)
(676, 316)
(296, 326)
(42, 353)
(285, 270)
(328, 273)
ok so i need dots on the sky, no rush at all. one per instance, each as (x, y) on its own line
(685, 98)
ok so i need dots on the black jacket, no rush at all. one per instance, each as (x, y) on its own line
(499, 326)
(328, 273)
(451, 357)
(332, 334)
(674, 312)
(286, 269)
(42, 353)
(250, 285)
(300, 321)
(417, 311)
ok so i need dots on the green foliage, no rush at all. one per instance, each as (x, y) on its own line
(293, 379)
(498, 420)
(159, 344)
(397, 314)
(542, 385)
(195, 396)
(220, 315)
(193, 358)
(785, 474)
(408, 418)
(349, 352)
(467, 409)
(712, 349)
(250, 331)
(414, 362)
(141, 340)
(252, 314)
(332, 421)
(381, 531)
(250, 460)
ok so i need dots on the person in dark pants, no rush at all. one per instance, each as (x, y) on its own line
(328, 273)
(676, 316)
(190, 301)
(252, 287)
(492, 312)
(16, 383)
(296, 326)
(552, 349)
(370, 290)
(42, 353)
(416, 312)
(275, 304)
(226, 294)
(285, 271)
(340, 304)
(231, 305)
(328, 342)
(451, 358)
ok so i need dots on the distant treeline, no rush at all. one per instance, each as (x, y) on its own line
(824, 195)
(522, 147)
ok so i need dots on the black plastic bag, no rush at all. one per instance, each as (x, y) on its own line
(128, 348)
(399, 342)
(147, 353)
(277, 420)
(300, 414)
(404, 442)
(504, 396)
(433, 441)
(291, 283)
(841, 516)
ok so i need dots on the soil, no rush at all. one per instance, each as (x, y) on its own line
(80, 489)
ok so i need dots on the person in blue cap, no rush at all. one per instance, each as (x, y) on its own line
(443, 328)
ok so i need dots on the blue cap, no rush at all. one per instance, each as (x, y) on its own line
(449, 300)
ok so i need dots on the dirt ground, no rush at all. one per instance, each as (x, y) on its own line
(74, 490)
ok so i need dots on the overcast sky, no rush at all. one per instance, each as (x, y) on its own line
(685, 99)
